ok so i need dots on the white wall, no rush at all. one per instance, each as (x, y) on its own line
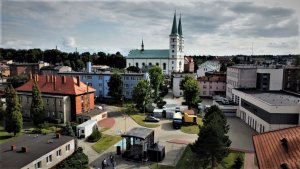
(276, 78)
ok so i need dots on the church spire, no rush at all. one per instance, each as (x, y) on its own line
(142, 46)
(179, 26)
(174, 26)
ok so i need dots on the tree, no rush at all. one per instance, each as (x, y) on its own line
(191, 92)
(238, 163)
(17, 81)
(133, 69)
(141, 93)
(115, 87)
(236, 60)
(156, 78)
(77, 160)
(37, 106)
(212, 145)
(297, 60)
(13, 116)
(2, 112)
(184, 80)
(212, 113)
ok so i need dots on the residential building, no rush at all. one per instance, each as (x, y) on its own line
(36, 151)
(278, 149)
(170, 60)
(63, 97)
(291, 79)
(267, 110)
(100, 68)
(208, 66)
(212, 85)
(176, 80)
(4, 70)
(54, 70)
(189, 64)
(253, 76)
(17, 69)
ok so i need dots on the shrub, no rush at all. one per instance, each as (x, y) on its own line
(160, 104)
(36, 131)
(77, 160)
(95, 136)
(45, 131)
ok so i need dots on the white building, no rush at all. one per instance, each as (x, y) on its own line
(208, 66)
(253, 76)
(177, 78)
(170, 60)
(267, 111)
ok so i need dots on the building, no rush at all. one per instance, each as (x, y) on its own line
(54, 70)
(212, 85)
(253, 76)
(63, 97)
(291, 79)
(176, 80)
(99, 81)
(189, 65)
(17, 69)
(278, 149)
(36, 151)
(170, 60)
(4, 70)
(208, 66)
(267, 110)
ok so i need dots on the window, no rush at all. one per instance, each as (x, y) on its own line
(60, 102)
(172, 62)
(173, 51)
(27, 99)
(38, 165)
(157, 64)
(137, 64)
(204, 92)
(126, 85)
(47, 101)
(204, 87)
(58, 153)
(129, 65)
(172, 68)
(172, 56)
(100, 77)
(180, 63)
(100, 84)
(150, 64)
(89, 77)
(173, 39)
(164, 66)
(49, 159)
(143, 64)
(68, 147)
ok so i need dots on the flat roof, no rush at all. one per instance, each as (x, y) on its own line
(87, 123)
(278, 98)
(92, 113)
(252, 66)
(36, 144)
(139, 132)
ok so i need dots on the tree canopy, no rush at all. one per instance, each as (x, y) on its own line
(17, 81)
(156, 79)
(37, 106)
(115, 87)
(141, 94)
(191, 90)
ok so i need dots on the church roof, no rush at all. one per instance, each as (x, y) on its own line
(149, 54)
(179, 27)
(174, 26)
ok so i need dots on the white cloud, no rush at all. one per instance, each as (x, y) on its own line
(18, 44)
(69, 42)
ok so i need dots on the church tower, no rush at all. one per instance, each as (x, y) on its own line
(176, 56)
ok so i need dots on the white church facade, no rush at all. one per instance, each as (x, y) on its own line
(170, 60)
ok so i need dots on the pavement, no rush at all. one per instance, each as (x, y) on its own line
(249, 161)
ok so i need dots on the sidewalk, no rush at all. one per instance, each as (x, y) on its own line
(249, 161)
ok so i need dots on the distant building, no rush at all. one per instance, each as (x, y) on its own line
(4, 70)
(208, 66)
(36, 151)
(253, 76)
(212, 85)
(189, 64)
(267, 110)
(54, 70)
(170, 60)
(64, 97)
(100, 68)
(291, 79)
(176, 79)
(99, 81)
(17, 69)
(278, 149)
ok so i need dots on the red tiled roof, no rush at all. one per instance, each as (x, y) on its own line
(56, 85)
(212, 79)
(271, 152)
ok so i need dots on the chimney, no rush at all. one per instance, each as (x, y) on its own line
(36, 77)
(54, 82)
(52, 79)
(57, 135)
(88, 67)
(24, 149)
(47, 79)
(63, 79)
(13, 147)
(30, 76)
(78, 81)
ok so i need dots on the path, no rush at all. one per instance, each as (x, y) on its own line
(249, 161)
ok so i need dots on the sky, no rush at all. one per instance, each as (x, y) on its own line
(214, 27)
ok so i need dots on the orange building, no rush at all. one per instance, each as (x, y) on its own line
(65, 96)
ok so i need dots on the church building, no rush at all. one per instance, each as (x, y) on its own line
(170, 60)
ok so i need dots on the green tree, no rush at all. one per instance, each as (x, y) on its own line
(211, 146)
(156, 79)
(133, 69)
(141, 94)
(297, 60)
(184, 80)
(2, 112)
(191, 92)
(13, 116)
(115, 87)
(17, 81)
(212, 113)
(37, 106)
(238, 163)
(77, 160)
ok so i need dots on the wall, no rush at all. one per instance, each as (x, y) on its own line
(211, 88)
(276, 77)
(55, 159)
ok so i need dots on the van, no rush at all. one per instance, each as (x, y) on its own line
(225, 101)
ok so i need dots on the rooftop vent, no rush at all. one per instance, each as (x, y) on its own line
(13, 147)
(284, 143)
(57, 135)
(284, 166)
(24, 149)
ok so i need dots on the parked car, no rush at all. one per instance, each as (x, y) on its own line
(151, 119)
(225, 101)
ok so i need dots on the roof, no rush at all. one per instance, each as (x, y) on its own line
(271, 152)
(47, 85)
(92, 113)
(277, 98)
(87, 123)
(179, 27)
(189, 112)
(139, 132)
(174, 28)
(149, 54)
(212, 78)
(38, 145)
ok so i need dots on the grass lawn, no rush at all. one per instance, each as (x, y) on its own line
(189, 160)
(105, 142)
(139, 119)
(5, 136)
(192, 129)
